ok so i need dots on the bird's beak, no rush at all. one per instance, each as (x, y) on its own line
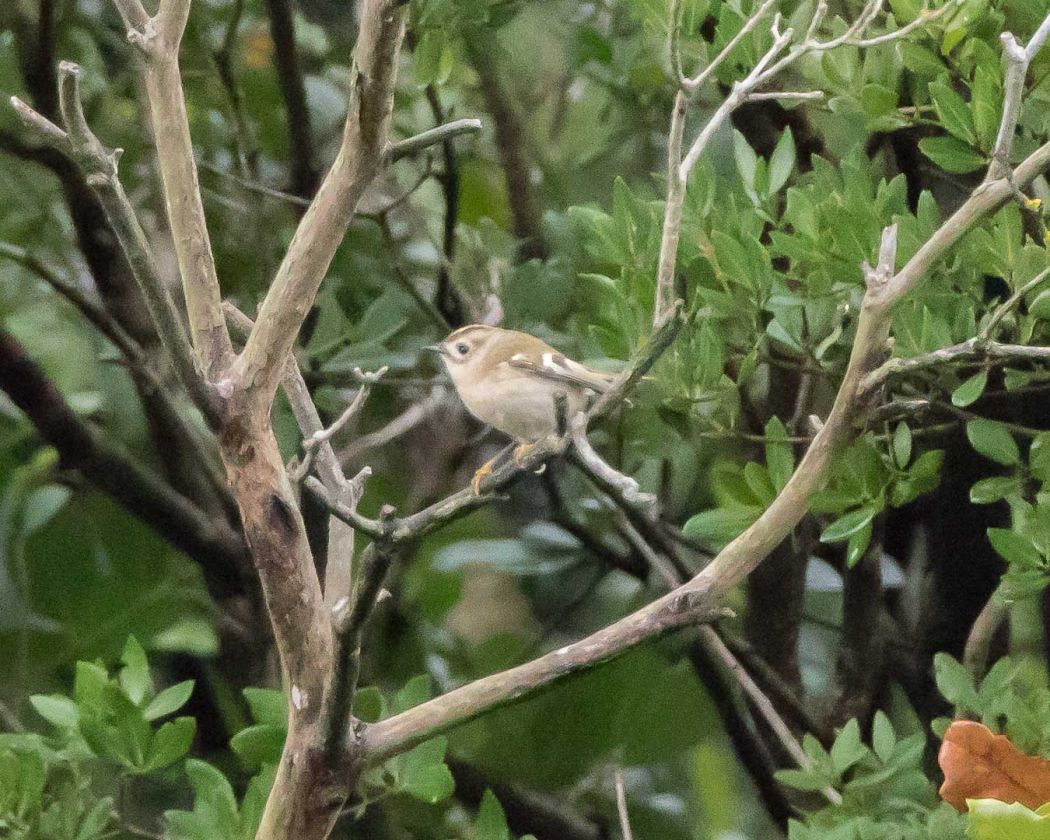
(437, 348)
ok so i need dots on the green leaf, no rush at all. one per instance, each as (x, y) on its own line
(254, 802)
(986, 102)
(955, 682)
(369, 704)
(170, 700)
(920, 61)
(780, 459)
(43, 505)
(134, 676)
(757, 478)
(721, 525)
(424, 773)
(848, 748)
(89, 686)
(268, 705)
(952, 155)
(170, 743)
(214, 800)
(1014, 548)
(490, 823)
(1039, 457)
(902, 445)
(1040, 307)
(994, 441)
(857, 545)
(258, 745)
(56, 709)
(97, 820)
(417, 690)
(781, 162)
(805, 780)
(990, 819)
(431, 58)
(989, 490)
(746, 160)
(953, 112)
(846, 526)
(970, 391)
(883, 738)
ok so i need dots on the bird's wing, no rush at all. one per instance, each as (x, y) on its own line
(550, 364)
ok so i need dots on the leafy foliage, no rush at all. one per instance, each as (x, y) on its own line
(779, 216)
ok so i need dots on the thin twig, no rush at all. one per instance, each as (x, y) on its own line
(293, 94)
(1011, 302)
(99, 166)
(621, 807)
(431, 137)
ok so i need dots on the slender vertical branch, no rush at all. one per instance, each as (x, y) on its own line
(293, 92)
(672, 228)
(261, 365)
(159, 39)
(621, 807)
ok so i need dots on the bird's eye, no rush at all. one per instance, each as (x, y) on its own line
(462, 348)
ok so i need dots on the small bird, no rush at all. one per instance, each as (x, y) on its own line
(508, 379)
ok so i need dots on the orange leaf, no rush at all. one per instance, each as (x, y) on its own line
(978, 764)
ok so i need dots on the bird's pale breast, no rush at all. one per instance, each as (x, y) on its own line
(520, 405)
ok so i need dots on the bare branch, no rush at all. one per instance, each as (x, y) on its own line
(972, 350)
(350, 615)
(99, 318)
(695, 600)
(99, 166)
(1011, 302)
(508, 470)
(690, 85)
(293, 93)
(140, 368)
(431, 137)
(407, 420)
(621, 807)
(1017, 61)
(626, 486)
(737, 96)
(159, 38)
(787, 96)
(262, 363)
(333, 482)
(312, 441)
(394, 735)
(769, 713)
(675, 200)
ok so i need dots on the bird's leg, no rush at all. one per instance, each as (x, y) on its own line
(484, 471)
(521, 452)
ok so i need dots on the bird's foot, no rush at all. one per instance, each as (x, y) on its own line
(484, 471)
(521, 452)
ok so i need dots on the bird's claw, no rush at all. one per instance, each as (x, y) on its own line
(521, 452)
(483, 472)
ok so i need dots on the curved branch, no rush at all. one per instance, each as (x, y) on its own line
(697, 600)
